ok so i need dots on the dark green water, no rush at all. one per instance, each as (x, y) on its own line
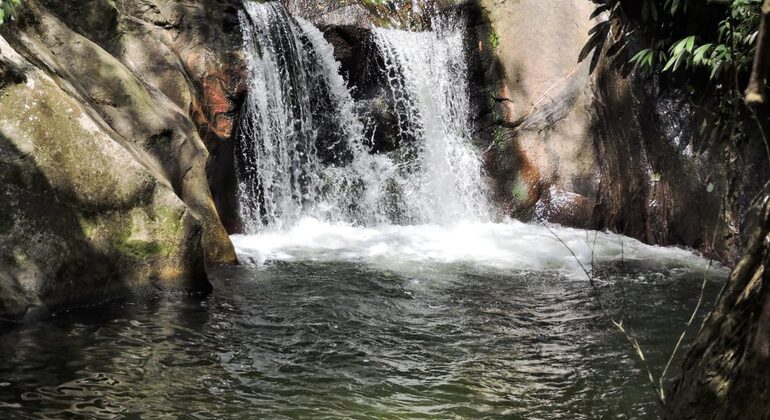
(340, 340)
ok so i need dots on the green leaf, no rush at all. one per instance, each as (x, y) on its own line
(689, 43)
(700, 53)
(671, 63)
(643, 58)
(715, 69)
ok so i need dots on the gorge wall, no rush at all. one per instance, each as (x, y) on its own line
(107, 109)
(577, 143)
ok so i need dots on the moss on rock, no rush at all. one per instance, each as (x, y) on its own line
(82, 212)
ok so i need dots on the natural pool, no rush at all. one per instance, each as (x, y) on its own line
(314, 326)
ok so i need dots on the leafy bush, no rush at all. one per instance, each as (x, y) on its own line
(684, 35)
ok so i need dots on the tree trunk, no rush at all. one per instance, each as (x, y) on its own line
(755, 93)
(727, 372)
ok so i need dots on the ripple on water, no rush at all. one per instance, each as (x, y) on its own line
(340, 339)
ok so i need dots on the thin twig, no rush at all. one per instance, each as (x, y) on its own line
(658, 388)
(639, 352)
(631, 339)
(590, 277)
(686, 328)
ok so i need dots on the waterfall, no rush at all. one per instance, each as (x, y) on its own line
(301, 150)
(428, 80)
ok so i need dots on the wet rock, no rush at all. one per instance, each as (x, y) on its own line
(403, 14)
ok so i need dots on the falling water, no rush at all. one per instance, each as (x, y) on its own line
(302, 150)
(427, 76)
(298, 127)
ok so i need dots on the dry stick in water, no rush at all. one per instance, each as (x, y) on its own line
(632, 340)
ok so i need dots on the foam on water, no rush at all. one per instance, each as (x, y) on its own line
(511, 246)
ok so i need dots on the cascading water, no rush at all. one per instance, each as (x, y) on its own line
(301, 151)
(427, 76)
(289, 106)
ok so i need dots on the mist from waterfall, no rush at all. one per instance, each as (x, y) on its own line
(302, 151)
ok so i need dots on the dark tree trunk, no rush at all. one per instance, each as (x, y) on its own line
(755, 93)
(727, 372)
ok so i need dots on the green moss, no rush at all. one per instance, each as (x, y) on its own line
(142, 249)
(500, 137)
(493, 39)
(520, 192)
(170, 220)
(19, 257)
(166, 227)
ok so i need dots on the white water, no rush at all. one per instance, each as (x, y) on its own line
(298, 114)
(506, 247)
(311, 191)
(302, 153)
(427, 74)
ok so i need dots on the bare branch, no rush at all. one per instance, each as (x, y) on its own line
(658, 388)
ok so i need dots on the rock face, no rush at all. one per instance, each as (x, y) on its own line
(575, 143)
(404, 14)
(105, 107)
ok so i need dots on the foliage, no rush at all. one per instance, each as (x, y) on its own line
(705, 47)
(6, 8)
(684, 35)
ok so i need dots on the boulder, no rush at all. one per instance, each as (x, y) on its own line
(82, 217)
(573, 141)
(115, 117)
(186, 57)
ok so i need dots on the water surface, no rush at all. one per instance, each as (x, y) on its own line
(311, 335)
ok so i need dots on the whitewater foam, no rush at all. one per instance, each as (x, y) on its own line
(510, 246)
